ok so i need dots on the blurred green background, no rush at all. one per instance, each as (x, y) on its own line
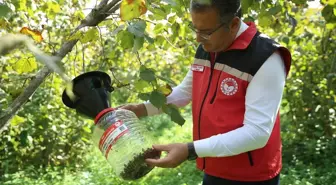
(47, 143)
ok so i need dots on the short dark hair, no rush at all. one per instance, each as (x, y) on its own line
(227, 9)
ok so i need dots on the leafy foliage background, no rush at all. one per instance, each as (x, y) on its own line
(47, 143)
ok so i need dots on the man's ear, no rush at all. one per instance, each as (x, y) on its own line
(235, 25)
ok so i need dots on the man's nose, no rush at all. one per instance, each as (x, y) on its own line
(199, 38)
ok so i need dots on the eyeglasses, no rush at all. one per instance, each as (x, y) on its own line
(205, 35)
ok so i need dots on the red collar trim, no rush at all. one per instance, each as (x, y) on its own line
(244, 39)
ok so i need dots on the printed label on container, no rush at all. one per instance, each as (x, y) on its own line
(110, 136)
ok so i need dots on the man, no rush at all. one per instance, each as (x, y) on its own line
(235, 85)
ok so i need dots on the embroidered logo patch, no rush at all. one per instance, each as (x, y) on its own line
(229, 86)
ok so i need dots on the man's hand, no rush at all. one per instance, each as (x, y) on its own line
(138, 109)
(177, 154)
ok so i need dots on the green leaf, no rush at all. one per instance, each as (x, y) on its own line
(275, 10)
(117, 30)
(328, 14)
(144, 96)
(169, 81)
(76, 36)
(149, 39)
(87, 129)
(138, 43)
(246, 5)
(159, 13)
(126, 39)
(157, 99)
(138, 28)
(176, 116)
(4, 10)
(285, 40)
(91, 35)
(25, 65)
(140, 85)
(329, 2)
(166, 109)
(147, 74)
(85, 140)
(20, 5)
(158, 28)
(54, 7)
(299, 2)
(331, 26)
(23, 138)
(170, 2)
(17, 120)
(265, 20)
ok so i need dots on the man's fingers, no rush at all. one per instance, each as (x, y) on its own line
(118, 107)
(162, 148)
(163, 162)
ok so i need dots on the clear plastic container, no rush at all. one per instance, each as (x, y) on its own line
(124, 142)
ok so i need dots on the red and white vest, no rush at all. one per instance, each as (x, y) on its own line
(217, 109)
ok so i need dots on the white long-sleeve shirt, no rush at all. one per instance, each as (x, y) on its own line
(262, 102)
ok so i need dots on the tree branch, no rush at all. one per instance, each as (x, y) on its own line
(94, 18)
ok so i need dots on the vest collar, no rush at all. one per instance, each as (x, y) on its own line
(244, 38)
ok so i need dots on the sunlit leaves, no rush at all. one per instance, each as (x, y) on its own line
(134, 37)
(328, 2)
(328, 14)
(140, 85)
(4, 10)
(299, 2)
(149, 39)
(91, 35)
(165, 89)
(126, 39)
(76, 36)
(52, 8)
(35, 34)
(159, 13)
(4, 24)
(275, 9)
(137, 28)
(265, 19)
(25, 65)
(138, 43)
(246, 5)
(170, 2)
(130, 9)
(17, 120)
(20, 5)
(158, 28)
(87, 129)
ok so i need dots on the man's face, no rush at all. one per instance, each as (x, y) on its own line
(208, 22)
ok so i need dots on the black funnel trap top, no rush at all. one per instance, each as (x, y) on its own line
(92, 91)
